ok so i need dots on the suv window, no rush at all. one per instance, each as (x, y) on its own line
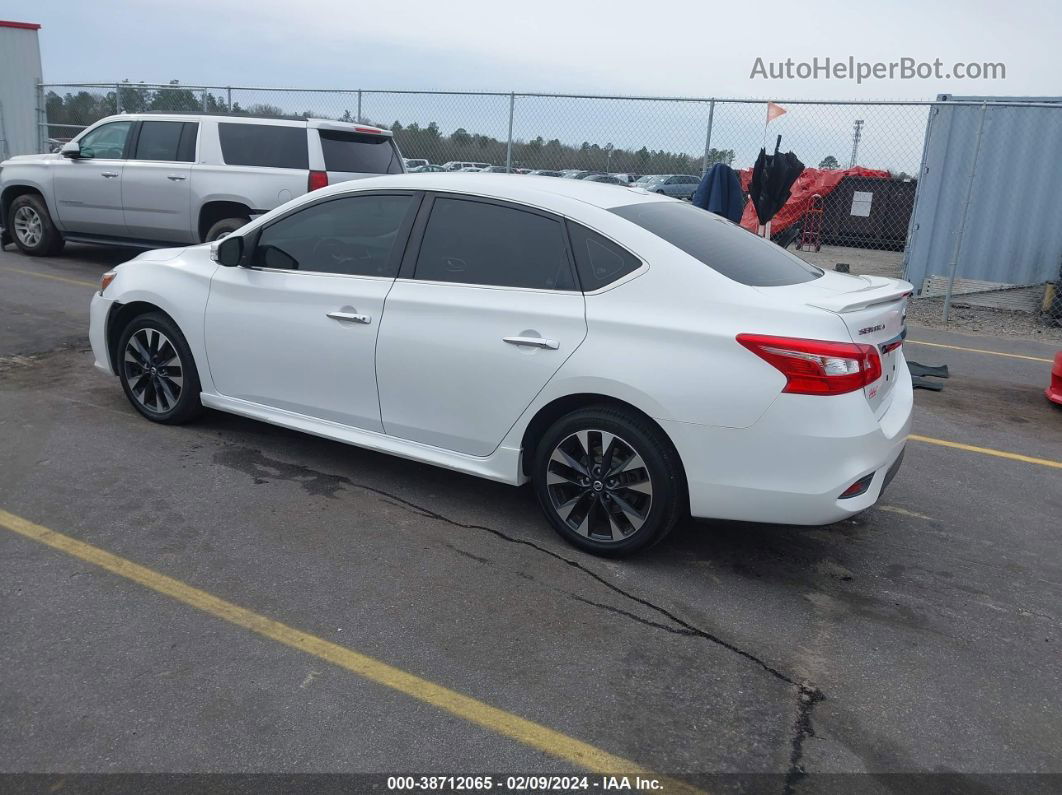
(107, 141)
(725, 247)
(353, 235)
(166, 140)
(366, 153)
(473, 242)
(267, 145)
(598, 259)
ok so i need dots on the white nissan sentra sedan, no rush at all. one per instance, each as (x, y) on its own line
(635, 358)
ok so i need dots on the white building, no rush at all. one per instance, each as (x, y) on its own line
(20, 74)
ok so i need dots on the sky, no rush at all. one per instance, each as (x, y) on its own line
(618, 47)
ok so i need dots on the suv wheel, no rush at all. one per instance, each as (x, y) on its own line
(608, 481)
(224, 227)
(32, 228)
(157, 372)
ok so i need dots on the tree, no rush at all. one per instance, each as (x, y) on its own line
(829, 162)
(461, 137)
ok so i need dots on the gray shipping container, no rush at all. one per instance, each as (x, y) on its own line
(1011, 231)
(20, 74)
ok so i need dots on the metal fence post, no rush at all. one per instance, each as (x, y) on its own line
(708, 137)
(204, 100)
(228, 98)
(962, 217)
(359, 107)
(117, 97)
(509, 145)
(42, 120)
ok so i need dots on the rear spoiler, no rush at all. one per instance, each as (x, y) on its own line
(879, 290)
(338, 126)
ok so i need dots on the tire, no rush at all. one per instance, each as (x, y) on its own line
(602, 515)
(160, 389)
(31, 227)
(224, 227)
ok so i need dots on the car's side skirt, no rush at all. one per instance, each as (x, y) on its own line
(503, 465)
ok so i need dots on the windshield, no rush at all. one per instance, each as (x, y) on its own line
(362, 153)
(724, 247)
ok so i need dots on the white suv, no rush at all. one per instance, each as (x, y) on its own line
(152, 179)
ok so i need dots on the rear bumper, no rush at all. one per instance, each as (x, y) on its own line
(792, 465)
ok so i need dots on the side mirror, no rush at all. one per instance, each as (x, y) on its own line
(227, 251)
(71, 149)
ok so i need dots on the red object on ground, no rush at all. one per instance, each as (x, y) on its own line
(812, 181)
(1054, 389)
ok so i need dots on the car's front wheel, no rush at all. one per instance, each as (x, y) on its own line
(31, 227)
(157, 371)
(608, 480)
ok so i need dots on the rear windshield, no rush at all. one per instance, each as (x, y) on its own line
(267, 145)
(364, 153)
(724, 247)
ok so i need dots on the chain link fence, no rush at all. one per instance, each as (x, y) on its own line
(858, 206)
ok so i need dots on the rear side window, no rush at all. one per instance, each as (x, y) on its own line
(598, 260)
(474, 242)
(724, 247)
(363, 153)
(267, 145)
(166, 140)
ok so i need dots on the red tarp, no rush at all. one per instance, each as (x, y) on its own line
(811, 181)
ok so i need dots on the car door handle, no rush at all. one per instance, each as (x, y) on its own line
(350, 317)
(109, 174)
(532, 342)
(175, 177)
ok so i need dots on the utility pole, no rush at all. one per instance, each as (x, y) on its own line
(608, 158)
(857, 133)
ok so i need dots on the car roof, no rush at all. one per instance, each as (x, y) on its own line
(321, 124)
(525, 188)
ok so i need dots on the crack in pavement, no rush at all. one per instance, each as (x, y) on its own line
(255, 463)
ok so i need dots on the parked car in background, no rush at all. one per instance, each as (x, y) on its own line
(635, 358)
(679, 186)
(428, 169)
(150, 180)
(576, 173)
(494, 170)
(608, 179)
(459, 165)
(414, 162)
(542, 172)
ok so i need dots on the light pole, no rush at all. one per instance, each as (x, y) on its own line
(608, 158)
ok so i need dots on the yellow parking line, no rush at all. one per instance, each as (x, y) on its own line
(529, 733)
(78, 282)
(1028, 459)
(977, 350)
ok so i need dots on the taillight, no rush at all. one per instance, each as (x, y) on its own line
(318, 179)
(817, 367)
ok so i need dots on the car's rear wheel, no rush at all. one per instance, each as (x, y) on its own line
(157, 371)
(608, 480)
(224, 227)
(31, 227)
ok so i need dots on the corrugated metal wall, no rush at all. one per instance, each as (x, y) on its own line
(1012, 231)
(20, 73)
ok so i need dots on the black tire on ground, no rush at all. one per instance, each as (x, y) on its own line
(223, 227)
(157, 371)
(632, 500)
(31, 227)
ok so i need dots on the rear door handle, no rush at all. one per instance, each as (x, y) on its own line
(109, 174)
(350, 317)
(174, 177)
(532, 342)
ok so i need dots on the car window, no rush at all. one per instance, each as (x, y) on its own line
(473, 242)
(353, 235)
(364, 153)
(186, 149)
(263, 145)
(725, 247)
(107, 141)
(159, 140)
(598, 260)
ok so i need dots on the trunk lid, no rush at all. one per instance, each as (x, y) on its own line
(873, 309)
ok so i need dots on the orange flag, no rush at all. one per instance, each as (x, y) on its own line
(774, 111)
